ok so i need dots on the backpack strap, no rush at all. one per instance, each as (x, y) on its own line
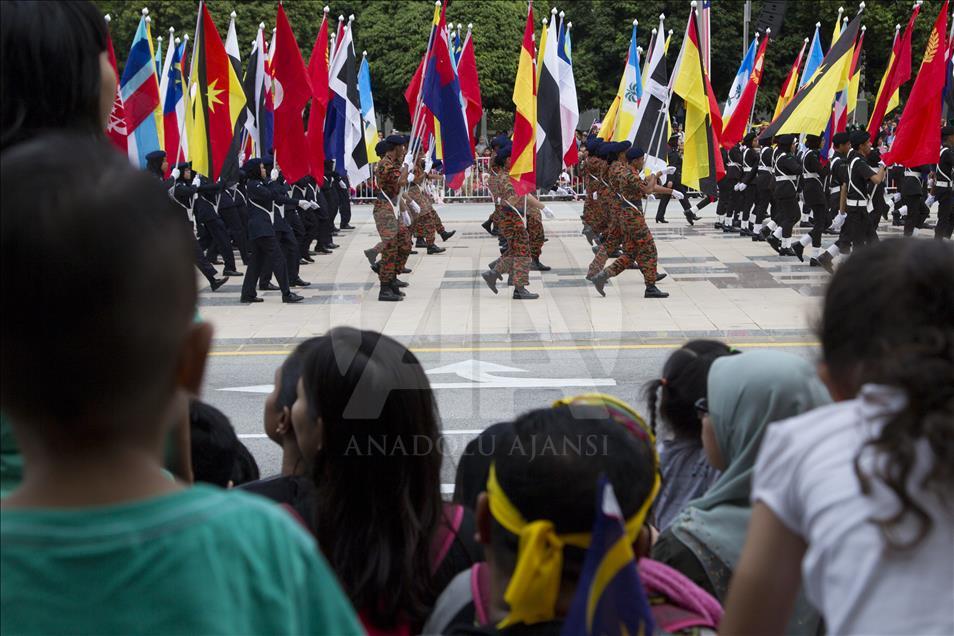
(480, 590)
(453, 515)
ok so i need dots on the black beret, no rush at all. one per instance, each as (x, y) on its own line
(156, 155)
(593, 144)
(184, 165)
(859, 137)
(499, 141)
(635, 153)
(252, 166)
(947, 131)
(812, 138)
(749, 138)
(785, 141)
(616, 147)
(383, 147)
(396, 140)
(268, 160)
(674, 140)
(840, 138)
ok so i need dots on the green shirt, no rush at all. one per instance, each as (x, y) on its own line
(11, 462)
(199, 561)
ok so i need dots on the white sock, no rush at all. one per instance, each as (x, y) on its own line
(818, 252)
(806, 240)
(721, 218)
(777, 233)
(758, 229)
(804, 217)
(786, 242)
(694, 209)
(771, 225)
(833, 250)
(903, 210)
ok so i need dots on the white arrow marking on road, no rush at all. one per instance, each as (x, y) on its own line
(479, 375)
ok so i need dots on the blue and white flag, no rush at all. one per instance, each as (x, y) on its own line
(740, 81)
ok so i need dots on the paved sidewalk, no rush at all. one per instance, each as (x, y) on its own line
(720, 285)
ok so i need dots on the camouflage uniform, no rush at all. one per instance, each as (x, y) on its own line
(516, 260)
(534, 223)
(593, 215)
(426, 225)
(612, 210)
(387, 174)
(638, 243)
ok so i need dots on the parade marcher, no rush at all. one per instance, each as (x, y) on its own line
(516, 260)
(691, 211)
(856, 196)
(879, 204)
(284, 206)
(390, 175)
(205, 213)
(308, 218)
(592, 168)
(764, 187)
(492, 224)
(612, 209)
(638, 243)
(323, 239)
(265, 251)
(785, 213)
(726, 204)
(428, 224)
(746, 185)
(344, 202)
(912, 199)
(331, 192)
(735, 168)
(944, 185)
(231, 206)
(182, 191)
(814, 177)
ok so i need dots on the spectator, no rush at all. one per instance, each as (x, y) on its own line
(746, 393)
(367, 423)
(218, 457)
(686, 473)
(56, 71)
(474, 465)
(854, 500)
(550, 494)
(98, 539)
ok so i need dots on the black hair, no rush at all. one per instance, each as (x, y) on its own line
(684, 380)
(291, 372)
(214, 444)
(50, 74)
(473, 467)
(69, 240)
(888, 319)
(548, 462)
(245, 468)
(379, 507)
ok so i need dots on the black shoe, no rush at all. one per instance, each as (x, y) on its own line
(292, 297)
(414, 252)
(331, 246)
(298, 282)
(406, 270)
(599, 281)
(659, 276)
(323, 250)
(813, 262)
(615, 254)
(254, 299)
(806, 224)
(217, 282)
(661, 221)
(509, 282)
(396, 282)
(335, 232)
(308, 259)
(746, 232)
(727, 228)
(302, 261)
(757, 237)
(346, 226)
(786, 251)
(371, 255)
(690, 218)
(696, 217)
(491, 277)
(595, 248)
(217, 261)
(388, 294)
(826, 261)
(397, 288)
(445, 235)
(799, 250)
(775, 244)
(718, 225)
(493, 264)
(765, 233)
(435, 249)
(654, 292)
(495, 232)
(231, 272)
(269, 286)
(832, 232)
(537, 266)
(376, 267)
(522, 293)
(420, 242)
(589, 234)
(489, 226)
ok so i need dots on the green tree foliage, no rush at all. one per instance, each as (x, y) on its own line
(395, 32)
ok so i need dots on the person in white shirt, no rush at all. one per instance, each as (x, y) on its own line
(854, 501)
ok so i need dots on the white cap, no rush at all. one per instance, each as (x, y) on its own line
(562, 14)
(364, 54)
(326, 9)
(233, 15)
(635, 22)
(145, 11)
(107, 17)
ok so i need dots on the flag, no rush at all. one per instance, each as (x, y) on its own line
(217, 103)
(949, 76)
(668, 39)
(890, 102)
(569, 107)
(140, 93)
(651, 130)
(159, 55)
(441, 94)
(260, 119)
(367, 108)
(457, 46)
(609, 597)
(523, 167)
(915, 142)
(811, 108)
(611, 119)
(470, 86)
(116, 123)
(702, 164)
(291, 90)
(182, 113)
(422, 120)
(154, 52)
(549, 126)
(705, 35)
(344, 130)
(815, 57)
(318, 71)
(741, 79)
(171, 89)
(897, 73)
(632, 93)
(854, 77)
(736, 124)
(644, 69)
(789, 86)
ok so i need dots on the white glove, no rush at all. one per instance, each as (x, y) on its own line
(342, 184)
(547, 212)
(196, 181)
(414, 206)
(303, 204)
(903, 210)
(175, 173)
(274, 174)
(930, 200)
(677, 195)
(410, 177)
(405, 218)
(594, 196)
(670, 169)
(896, 197)
(741, 187)
(409, 161)
(838, 221)
(314, 205)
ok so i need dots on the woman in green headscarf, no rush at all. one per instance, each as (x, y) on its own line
(746, 393)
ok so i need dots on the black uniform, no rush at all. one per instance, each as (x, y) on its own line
(912, 196)
(203, 208)
(814, 176)
(785, 211)
(281, 202)
(309, 222)
(733, 172)
(764, 186)
(344, 200)
(330, 190)
(674, 159)
(944, 193)
(232, 210)
(855, 230)
(837, 177)
(182, 193)
(322, 217)
(265, 251)
(879, 206)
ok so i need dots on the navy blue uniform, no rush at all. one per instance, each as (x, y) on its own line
(182, 193)
(265, 251)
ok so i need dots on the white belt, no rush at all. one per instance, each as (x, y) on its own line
(785, 178)
(764, 169)
(734, 165)
(857, 202)
(834, 189)
(943, 184)
(912, 173)
(811, 175)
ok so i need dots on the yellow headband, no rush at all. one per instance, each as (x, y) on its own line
(535, 584)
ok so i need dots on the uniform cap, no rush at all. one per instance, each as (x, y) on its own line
(858, 137)
(635, 153)
(156, 155)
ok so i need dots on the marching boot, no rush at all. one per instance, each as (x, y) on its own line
(445, 235)
(799, 251)
(387, 293)
(537, 266)
(292, 297)
(825, 260)
(371, 255)
(491, 277)
(397, 288)
(434, 249)
(599, 281)
(488, 226)
(218, 282)
(396, 282)
(654, 292)
(522, 293)
(420, 242)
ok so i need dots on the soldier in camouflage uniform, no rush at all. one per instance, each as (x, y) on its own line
(611, 207)
(591, 167)
(516, 259)
(390, 175)
(638, 243)
(429, 224)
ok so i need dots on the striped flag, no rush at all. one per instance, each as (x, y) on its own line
(854, 77)
(815, 57)
(549, 127)
(705, 35)
(171, 90)
(140, 93)
(470, 86)
(741, 79)
(116, 122)
(737, 123)
(569, 107)
(344, 130)
(790, 85)
(632, 93)
(258, 123)
(651, 129)
(367, 108)
(897, 73)
(523, 168)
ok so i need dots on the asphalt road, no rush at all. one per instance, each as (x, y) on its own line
(475, 388)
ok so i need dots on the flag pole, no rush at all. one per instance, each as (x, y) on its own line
(418, 107)
(187, 84)
(748, 124)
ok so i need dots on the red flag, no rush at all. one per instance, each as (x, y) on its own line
(412, 95)
(919, 131)
(116, 124)
(291, 90)
(900, 73)
(470, 88)
(523, 168)
(739, 119)
(318, 71)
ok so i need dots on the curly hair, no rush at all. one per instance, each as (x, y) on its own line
(889, 319)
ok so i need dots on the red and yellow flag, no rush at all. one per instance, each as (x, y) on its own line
(790, 85)
(897, 73)
(523, 169)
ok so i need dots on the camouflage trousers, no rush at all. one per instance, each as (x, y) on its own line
(394, 246)
(535, 230)
(638, 247)
(427, 226)
(593, 214)
(612, 238)
(516, 260)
